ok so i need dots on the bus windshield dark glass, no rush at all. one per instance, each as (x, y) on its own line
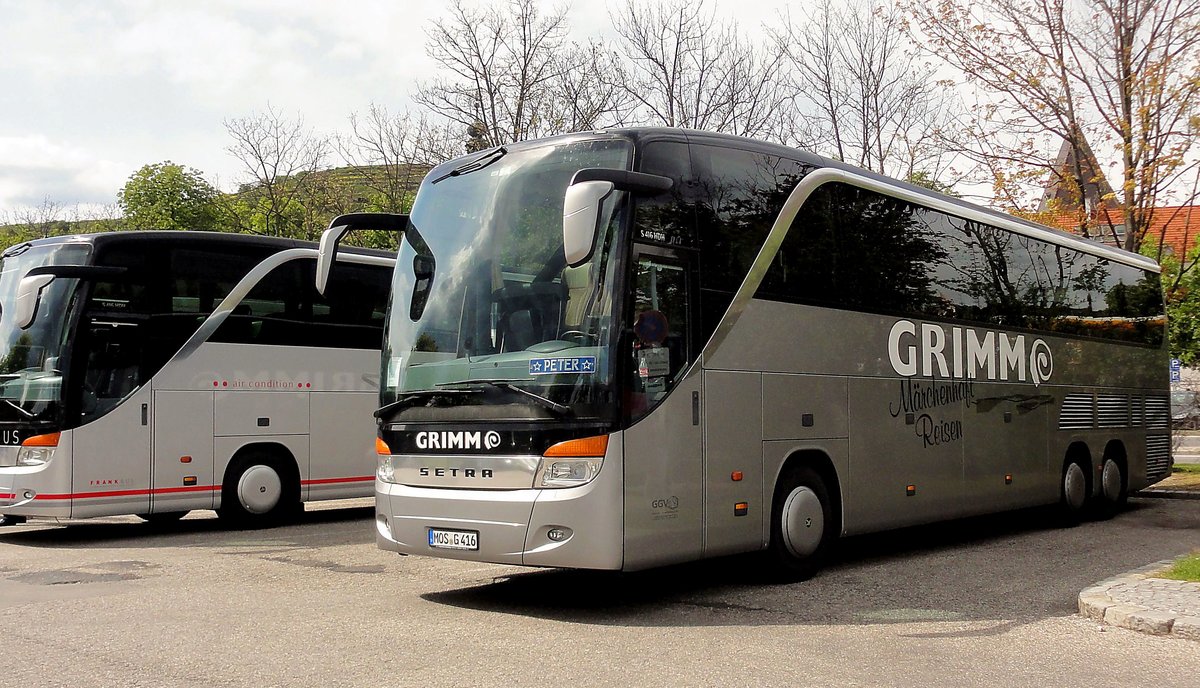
(485, 312)
(31, 359)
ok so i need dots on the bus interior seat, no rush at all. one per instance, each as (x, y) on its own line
(576, 281)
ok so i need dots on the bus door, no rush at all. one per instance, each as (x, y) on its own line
(664, 475)
(111, 447)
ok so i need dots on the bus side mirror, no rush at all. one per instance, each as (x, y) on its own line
(585, 198)
(29, 294)
(581, 218)
(327, 254)
(327, 251)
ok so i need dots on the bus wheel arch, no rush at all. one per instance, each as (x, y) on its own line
(261, 485)
(806, 514)
(1075, 486)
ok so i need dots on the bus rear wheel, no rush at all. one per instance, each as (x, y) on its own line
(1073, 494)
(802, 523)
(257, 492)
(1113, 491)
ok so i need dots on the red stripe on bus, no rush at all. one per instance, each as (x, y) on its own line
(176, 490)
(7, 495)
(330, 481)
(130, 493)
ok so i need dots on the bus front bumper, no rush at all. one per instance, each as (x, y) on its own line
(576, 527)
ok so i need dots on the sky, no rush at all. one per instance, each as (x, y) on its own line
(92, 91)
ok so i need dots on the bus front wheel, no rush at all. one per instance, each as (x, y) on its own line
(802, 524)
(257, 492)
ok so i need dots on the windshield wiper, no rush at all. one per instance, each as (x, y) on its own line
(23, 412)
(410, 397)
(474, 165)
(560, 409)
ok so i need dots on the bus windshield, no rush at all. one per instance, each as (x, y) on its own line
(30, 369)
(485, 312)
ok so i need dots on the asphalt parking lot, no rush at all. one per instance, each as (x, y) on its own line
(990, 601)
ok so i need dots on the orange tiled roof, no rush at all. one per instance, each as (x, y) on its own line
(1177, 226)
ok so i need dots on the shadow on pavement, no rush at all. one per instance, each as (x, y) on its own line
(132, 532)
(1004, 570)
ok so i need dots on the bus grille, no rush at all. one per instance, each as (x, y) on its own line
(1112, 411)
(1158, 456)
(1077, 412)
(1158, 415)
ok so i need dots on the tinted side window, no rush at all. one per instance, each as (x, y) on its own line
(744, 192)
(284, 309)
(852, 248)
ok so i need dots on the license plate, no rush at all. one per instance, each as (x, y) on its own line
(453, 539)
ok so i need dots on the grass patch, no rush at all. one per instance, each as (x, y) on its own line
(1186, 568)
(1193, 468)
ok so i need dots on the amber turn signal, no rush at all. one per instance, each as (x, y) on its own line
(584, 446)
(50, 440)
(382, 448)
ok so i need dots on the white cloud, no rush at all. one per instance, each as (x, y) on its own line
(33, 169)
(96, 90)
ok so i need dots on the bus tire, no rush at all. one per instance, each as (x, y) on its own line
(1073, 493)
(163, 517)
(802, 523)
(1113, 488)
(258, 491)
(11, 520)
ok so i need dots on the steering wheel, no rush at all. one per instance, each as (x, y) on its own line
(578, 335)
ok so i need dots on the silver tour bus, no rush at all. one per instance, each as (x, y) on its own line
(624, 349)
(153, 373)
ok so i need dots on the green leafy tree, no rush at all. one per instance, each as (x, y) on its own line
(169, 196)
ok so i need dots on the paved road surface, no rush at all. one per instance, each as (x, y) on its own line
(978, 603)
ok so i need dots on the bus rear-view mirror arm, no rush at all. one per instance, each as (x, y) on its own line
(585, 199)
(29, 290)
(327, 252)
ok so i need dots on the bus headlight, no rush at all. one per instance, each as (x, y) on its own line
(567, 472)
(37, 450)
(572, 463)
(34, 456)
(385, 470)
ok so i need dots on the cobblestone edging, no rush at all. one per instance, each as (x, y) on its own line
(1167, 494)
(1140, 602)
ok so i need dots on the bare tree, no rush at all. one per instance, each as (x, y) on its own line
(390, 153)
(874, 103)
(588, 91)
(500, 61)
(1116, 80)
(279, 155)
(40, 221)
(686, 69)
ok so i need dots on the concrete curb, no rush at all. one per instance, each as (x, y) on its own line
(1167, 494)
(1098, 604)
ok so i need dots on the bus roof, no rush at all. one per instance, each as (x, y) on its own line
(211, 238)
(641, 135)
